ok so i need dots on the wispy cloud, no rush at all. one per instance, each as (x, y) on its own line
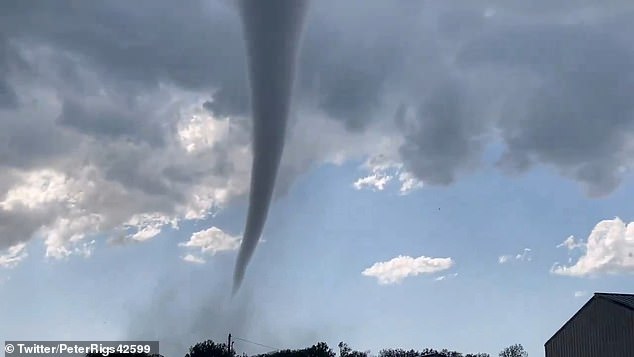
(524, 255)
(445, 277)
(579, 294)
(13, 255)
(608, 250)
(395, 270)
(571, 244)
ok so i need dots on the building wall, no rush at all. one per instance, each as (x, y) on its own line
(602, 329)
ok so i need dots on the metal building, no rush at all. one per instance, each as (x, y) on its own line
(603, 327)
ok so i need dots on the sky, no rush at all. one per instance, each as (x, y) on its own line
(455, 175)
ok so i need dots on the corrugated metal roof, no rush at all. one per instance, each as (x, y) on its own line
(626, 300)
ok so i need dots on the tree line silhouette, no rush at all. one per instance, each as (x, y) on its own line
(210, 348)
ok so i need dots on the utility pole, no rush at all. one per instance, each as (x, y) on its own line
(229, 344)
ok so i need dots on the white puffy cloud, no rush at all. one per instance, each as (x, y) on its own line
(409, 183)
(524, 255)
(39, 188)
(376, 181)
(129, 185)
(609, 249)
(13, 255)
(194, 259)
(211, 241)
(123, 189)
(381, 172)
(395, 270)
(200, 133)
(65, 236)
(148, 225)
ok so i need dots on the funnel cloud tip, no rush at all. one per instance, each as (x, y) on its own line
(272, 32)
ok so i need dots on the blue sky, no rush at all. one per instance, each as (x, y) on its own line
(455, 176)
(311, 271)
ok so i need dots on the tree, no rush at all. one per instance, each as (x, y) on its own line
(320, 350)
(516, 350)
(345, 351)
(447, 353)
(210, 349)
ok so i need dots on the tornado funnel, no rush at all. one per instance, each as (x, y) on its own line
(272, 31)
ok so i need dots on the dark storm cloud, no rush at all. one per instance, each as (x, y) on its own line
(349, 56)
(18, 226)
(8, 99)
(580, 118)
(127, 168)
(110, 123)
(29, 142)
(187, 173)
(230, 99)
(558, 94)
(99, 84)
(346, 85)
(81, 83)
(442, 138)
(103, 69)
(195, 46)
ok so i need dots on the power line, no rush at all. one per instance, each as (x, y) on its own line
(256, 343)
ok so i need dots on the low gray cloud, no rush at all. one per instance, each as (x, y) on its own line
(579, 117)
(143, 107)
(8, 99)
(442, 138)
(108, 123)
(143, 43)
